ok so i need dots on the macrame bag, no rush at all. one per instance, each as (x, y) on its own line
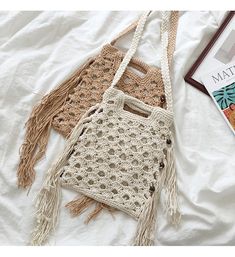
(119, 156)
(63, 107)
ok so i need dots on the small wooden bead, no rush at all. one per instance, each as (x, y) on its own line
(151, 189)
(163, 99)
(155, 175)
(161, 165)
(168, 141)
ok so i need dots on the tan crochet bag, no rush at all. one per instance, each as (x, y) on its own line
(121, 157)
(63, 107)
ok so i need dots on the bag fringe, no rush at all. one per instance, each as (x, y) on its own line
(145, 232)
(38, 128)
(147, 220)
(170, 188)
(99, 207)
(49, 198)
(77, 206)
(48, 203)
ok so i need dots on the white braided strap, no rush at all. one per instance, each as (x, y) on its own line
(130, 53)
(164, 59)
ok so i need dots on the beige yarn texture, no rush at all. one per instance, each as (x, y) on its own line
(63, 107)
(98, 76)
(119, 156)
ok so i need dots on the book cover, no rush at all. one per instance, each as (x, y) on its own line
(220, 84)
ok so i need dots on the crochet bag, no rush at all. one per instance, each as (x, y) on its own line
(63, 107)
(119, 156)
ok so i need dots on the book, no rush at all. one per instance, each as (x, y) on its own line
(220, 84)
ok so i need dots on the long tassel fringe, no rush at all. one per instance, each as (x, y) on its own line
(77, 206)
(147, 220)
(95, 213)
(99, 207)
(49, 198)
(170, 188)
(38, 128)
(146, 223)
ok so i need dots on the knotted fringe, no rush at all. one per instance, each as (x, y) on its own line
(38, 128)
(77, 206)
(49, 198)
(146, 222)
(170, 188)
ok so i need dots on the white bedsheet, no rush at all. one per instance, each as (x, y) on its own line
(38, 50)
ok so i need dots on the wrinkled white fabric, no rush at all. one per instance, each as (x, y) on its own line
(38, 50)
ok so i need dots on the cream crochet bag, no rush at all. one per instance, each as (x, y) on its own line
(120, 154)
(62, 108)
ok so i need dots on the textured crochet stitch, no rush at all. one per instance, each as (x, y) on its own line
(97, 77)
(120, 153)
(64, 106)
